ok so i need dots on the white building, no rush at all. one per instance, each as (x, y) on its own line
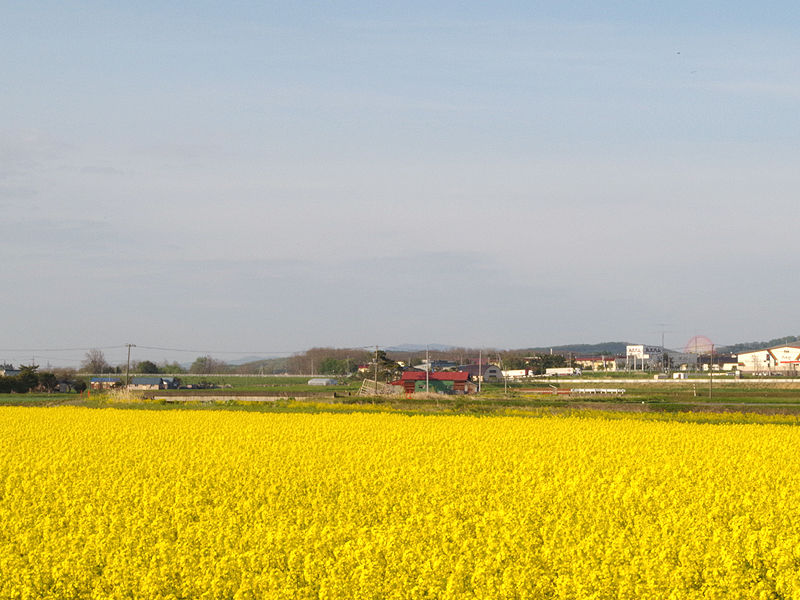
(640, 356)
(600, 363)
(322, 381)
(780, 359)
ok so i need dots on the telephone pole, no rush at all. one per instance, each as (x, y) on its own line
(427, 371)
(480, 369)
(376, 371)
(128, 366)
(502, 372)
(711, 373)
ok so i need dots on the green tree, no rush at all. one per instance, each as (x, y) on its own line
(537, 364)
(27, 379)
(148, 367)
(48, 381)
(387, 368)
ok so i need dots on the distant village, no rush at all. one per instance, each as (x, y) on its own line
(442, 370)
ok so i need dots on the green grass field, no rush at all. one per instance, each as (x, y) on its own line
(268, 384)
(647, 395)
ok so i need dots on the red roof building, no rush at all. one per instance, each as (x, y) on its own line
(442, 381)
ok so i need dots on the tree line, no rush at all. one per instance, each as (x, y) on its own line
(332, 361)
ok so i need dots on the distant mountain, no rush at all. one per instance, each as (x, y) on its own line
(420, 348)
(609, 348)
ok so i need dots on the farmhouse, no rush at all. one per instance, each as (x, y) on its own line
(600, 363)
(484, 372)
(104, 383)
(153, 383)
(449, 382)
(779, 359)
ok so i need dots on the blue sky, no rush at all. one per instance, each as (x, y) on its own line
(272, 176)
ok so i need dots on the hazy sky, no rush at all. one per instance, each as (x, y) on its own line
(266, 177)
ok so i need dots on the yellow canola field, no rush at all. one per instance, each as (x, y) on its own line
(195, 504)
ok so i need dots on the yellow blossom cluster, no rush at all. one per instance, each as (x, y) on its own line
(213, 504)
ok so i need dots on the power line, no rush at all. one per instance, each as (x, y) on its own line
(202, 351)
(60, 349)
(207, 351)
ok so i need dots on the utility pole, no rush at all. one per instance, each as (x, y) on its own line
(427, 371)
(480, 369)
(128, 366)
(376, 370)
(505, 381)
(711, 373)
(664, 365)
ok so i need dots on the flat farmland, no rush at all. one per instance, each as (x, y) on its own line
(271, 393)
(693, 394)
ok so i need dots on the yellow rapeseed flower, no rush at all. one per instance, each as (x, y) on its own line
(212, 505)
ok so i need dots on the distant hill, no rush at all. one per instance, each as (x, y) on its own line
(267, 366)
(745, 346)
(246, 360)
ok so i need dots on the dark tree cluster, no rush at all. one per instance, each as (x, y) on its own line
(329, 361)
(30, 379)
(537, 363)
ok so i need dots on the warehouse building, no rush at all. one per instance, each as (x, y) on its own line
(648, 358)
(779, 359)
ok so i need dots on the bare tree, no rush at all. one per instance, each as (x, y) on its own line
(206, 365)
(94, 362)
